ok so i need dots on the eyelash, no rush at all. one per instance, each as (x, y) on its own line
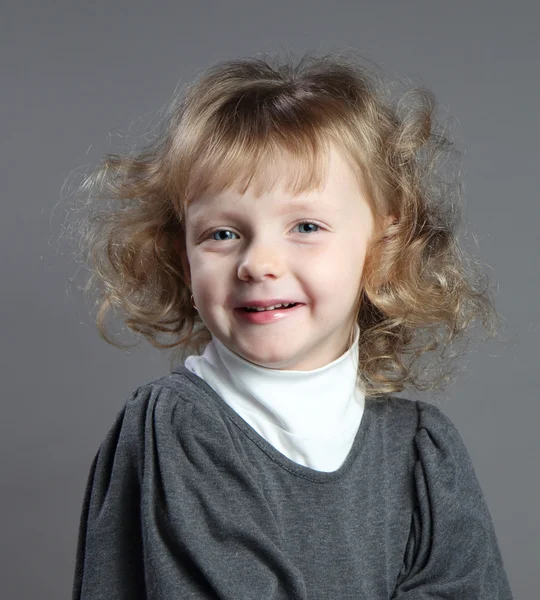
(301, 223)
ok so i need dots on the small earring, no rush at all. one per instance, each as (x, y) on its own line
(192, 303)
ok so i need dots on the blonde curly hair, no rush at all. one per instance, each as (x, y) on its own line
(420, 293)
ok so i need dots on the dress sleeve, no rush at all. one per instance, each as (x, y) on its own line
(171, 511)
(452, 551)
(109, 560)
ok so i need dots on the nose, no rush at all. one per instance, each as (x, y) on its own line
(259, 261)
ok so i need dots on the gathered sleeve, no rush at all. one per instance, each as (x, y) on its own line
(171, 512)
(452, 551)
(109, 559)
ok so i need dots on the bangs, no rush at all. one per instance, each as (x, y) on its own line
(296, 163)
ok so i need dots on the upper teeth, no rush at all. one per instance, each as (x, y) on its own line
(259, 308)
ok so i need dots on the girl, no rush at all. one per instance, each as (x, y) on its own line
(293, 223)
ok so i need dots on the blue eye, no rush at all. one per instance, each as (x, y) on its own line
(311, 224)
(211, 234)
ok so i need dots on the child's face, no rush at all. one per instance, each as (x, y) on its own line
(264, 251)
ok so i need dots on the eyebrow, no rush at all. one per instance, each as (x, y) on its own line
(227, 213)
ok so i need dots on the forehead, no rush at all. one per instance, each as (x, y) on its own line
(333, 188)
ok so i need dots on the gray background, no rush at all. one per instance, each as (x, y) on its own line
(75, 74)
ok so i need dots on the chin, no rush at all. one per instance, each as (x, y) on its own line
(265, 357)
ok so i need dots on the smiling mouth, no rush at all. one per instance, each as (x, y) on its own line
(278, 307)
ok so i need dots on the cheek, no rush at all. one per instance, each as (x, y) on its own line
(334, 278)
(344, 270)
(209, 279)
(341, 261)
(203, 267)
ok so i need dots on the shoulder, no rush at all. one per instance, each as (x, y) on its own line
(434, 436)
(179, 392)
(437, 433)
(426, 419)
(431, 416)
(396, 416)
(424, 414)
(158, 413)
(444, 465)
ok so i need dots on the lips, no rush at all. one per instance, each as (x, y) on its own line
(267, 317)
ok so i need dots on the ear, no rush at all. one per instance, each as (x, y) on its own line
(391, 220)
(387, 223)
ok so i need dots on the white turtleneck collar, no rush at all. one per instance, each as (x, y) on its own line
(310, 416)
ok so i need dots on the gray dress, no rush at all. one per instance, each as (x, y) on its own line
(185, 500)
